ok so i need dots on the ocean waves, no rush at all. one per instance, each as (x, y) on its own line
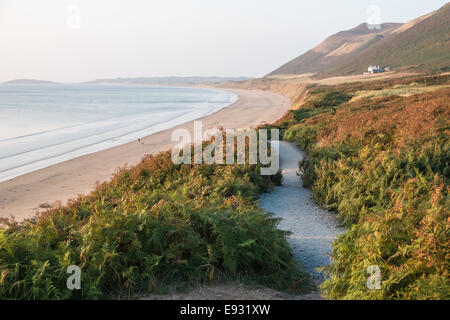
(45, 125)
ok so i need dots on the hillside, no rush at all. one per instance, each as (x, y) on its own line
(153, 227)
(422, 44)
(425, 46)
(335, 48)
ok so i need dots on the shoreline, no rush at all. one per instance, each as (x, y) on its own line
(32, 159)
(22, 196)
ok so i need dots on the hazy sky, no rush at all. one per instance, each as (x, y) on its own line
(77, 40)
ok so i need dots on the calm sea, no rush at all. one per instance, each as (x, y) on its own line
(41, 125)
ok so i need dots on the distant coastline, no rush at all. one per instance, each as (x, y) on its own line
(170, 81)
(29, 81)
(155, 81)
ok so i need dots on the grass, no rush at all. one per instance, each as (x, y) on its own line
(153, 226)
(397, 90)
(382, 164)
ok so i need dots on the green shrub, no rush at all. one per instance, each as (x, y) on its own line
(388, 185)
(303, 136)
(397, 208)
(153, 226)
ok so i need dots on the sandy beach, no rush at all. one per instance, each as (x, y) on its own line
(22, 196)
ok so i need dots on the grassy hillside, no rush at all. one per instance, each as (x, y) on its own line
(153, 226)
(423, 47)
(331, 51)
(420, 45)
(382, 164)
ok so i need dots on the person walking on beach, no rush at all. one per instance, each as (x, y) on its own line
(139, 140)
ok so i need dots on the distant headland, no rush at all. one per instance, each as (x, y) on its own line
(168, 80)
(29, 81)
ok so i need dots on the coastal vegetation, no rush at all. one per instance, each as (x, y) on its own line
(153, 226)
(381, 163)
(378, 156)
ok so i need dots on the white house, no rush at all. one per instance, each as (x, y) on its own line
(375, 69)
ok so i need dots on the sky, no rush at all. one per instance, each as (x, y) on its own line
(81, 40)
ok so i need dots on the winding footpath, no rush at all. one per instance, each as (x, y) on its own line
(313, 229)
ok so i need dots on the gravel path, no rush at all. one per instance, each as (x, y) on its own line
(313, 229)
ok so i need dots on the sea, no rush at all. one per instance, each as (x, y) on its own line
(42, 125)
